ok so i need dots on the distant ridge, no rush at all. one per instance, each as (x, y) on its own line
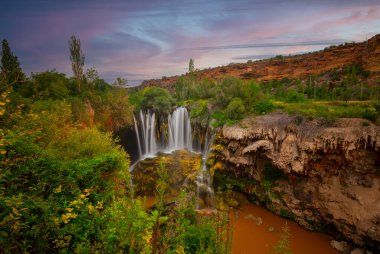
(366, 54)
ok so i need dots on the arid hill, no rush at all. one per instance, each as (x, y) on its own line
(365, 54)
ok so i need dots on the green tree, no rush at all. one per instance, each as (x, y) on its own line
(11, 72)
(120, 82)
(157, 99)
(49, 84)
(191, 66)
(77, 60)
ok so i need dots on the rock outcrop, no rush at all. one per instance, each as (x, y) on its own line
(330, 171)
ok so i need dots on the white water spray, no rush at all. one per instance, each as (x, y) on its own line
(148, 146)
(205, 192)
(179, 133)
(179, 130)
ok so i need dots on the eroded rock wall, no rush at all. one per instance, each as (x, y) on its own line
(331, 171)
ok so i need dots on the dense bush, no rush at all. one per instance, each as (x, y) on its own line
(157, 99)
(263, 107)
(294, 97)
(330, 110)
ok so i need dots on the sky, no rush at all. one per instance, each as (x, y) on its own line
(141, 40)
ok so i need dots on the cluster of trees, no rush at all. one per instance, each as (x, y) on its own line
(92, 100)
(64, 181)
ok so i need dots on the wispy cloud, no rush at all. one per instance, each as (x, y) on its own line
(271, 45)
(139, 39)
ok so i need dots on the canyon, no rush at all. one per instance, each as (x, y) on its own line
(324, 175)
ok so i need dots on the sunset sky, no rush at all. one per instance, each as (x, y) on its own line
(148, 39)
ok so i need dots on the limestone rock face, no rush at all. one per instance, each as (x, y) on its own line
(332, 170)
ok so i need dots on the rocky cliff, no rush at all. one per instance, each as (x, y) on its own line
(365, 54)
(324, 175)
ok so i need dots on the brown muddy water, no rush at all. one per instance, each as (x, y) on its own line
(251, 238)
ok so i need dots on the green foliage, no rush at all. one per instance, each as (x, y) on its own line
(283, 246)
(199, 113)
(235, 109)
(183, 87)
(220, 119)
(47, 85)
(263, 107)
(230, 87)
(157, 99)
(331, 110)
(85, 143)
(37, 187)
(294, 97)
(254, 90)
(11, 72)
(198, 238)
(370, 114)
(135, 97)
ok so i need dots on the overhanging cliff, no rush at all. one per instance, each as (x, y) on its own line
(329, 172)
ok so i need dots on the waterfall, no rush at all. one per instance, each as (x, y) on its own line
(138, 137)
(146, 139)
(179, 130)
(179, 133)
(205, 192)
(179, 137)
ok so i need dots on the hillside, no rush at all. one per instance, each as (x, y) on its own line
(365, 54)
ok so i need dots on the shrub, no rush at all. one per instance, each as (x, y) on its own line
(235, 109)
(85, 143)
(199, 113)
(263, 107)
(198, 238)
(294, 97)
(370, 115)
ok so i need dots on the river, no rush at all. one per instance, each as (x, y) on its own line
(251, 238)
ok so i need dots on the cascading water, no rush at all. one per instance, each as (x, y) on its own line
(205, 192)
(148, 146)
(138, 136)
(179, 130)
(179, 133)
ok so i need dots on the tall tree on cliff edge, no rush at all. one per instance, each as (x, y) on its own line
(77, 60)
(191, 66)
(11, 72)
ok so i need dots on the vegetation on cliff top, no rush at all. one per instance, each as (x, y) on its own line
(340, 93)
